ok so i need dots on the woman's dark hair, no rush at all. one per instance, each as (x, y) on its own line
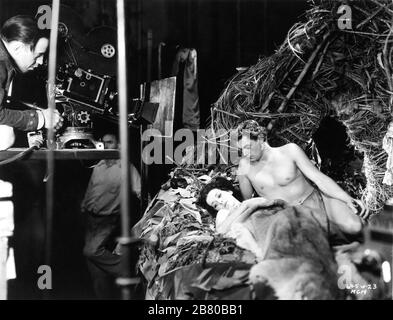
(22, 28)
(251, 129)
(216, 183)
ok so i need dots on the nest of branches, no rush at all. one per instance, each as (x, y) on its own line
(325, 66)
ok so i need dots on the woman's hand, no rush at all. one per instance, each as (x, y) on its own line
(359, 208)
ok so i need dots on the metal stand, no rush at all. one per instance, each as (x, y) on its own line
(51, 134)
(129, 248)
(144, 176)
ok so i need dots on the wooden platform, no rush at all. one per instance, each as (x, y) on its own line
(64, 154)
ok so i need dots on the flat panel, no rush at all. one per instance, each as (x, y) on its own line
(163, 92)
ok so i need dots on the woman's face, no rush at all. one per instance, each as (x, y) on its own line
(221, 199)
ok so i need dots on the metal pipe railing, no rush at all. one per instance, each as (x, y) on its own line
(51, 134)
(125, 280)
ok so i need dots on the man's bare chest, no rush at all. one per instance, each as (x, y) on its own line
(275, 173)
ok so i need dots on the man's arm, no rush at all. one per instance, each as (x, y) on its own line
(83, 203)
(135, 181)
(245, 210)
(26, 120)
(22, 120)
(323, 182)
(245, 185)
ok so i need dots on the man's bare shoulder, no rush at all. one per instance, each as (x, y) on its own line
(291, 148)
(289, 151)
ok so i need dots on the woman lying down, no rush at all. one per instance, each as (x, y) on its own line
(290, 242)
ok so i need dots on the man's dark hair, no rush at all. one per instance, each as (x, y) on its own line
(22, 28)
(252, 129)
(220, 183)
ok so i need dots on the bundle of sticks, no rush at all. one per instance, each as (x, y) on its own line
(337, 62)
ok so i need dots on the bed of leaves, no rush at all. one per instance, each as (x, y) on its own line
(178, 234)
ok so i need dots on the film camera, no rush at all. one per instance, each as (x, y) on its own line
(79, 94)
(86, 88)
(85, 82)
(82, 94)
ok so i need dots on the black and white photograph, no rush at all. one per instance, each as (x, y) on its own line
(218, 151)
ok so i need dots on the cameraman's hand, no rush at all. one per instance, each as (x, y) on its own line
(57, 119)
(36, 140)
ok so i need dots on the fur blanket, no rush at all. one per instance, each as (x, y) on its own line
(296, 258)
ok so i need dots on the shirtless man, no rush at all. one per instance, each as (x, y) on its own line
(286, 173)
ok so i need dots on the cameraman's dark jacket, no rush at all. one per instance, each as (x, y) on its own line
(22, 120)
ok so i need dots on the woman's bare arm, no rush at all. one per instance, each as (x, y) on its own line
(244, 211)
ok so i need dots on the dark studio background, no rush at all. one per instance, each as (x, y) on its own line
(226, 34)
